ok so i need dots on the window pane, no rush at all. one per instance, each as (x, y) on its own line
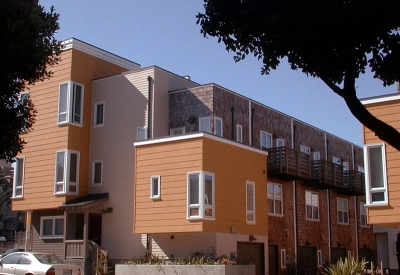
(376, 168)
(194, 211)
(379, 196)
(345, 217)
(277, 190)
(218, 127)
(315, 213)
(62, 105)
(340, 216)
(155, 187)
(204, 124)
(141, 133)
(97, 172)
(269, 141)
(263, 140)
(72, 189)
(59, 227)
(73, 168)
(278, 207)
(47, 227)
(194, 189)
(208, 195)
(99, 113)
(309, 212)
(271, 206)
(270, 189)
(60, 167)
(239, 134)
(77, 103)
(250, 197)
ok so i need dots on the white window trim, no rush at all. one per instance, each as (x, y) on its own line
(94, 172)
(363, 206)
(17, 187)
(218, 119)
(95, 113)
(274, 199)
(53, 229)
(315, 193)
(368, 189)
(319, 258)
(67, 165)
(316, 155)
(346, 166)
(336, 160)
(201, 121)
(280, 140)
(339, 200)
(283, 258)
(305, 149)
(171, 131)
(158, 196)
(69, 107)
(201, 204)
(253, 212)
(239, 133)
(268, 136)
(145, 131)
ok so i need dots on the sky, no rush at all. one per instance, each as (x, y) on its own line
(164, 33)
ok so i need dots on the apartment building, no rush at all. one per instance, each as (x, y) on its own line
(382, 170)
(126, 160)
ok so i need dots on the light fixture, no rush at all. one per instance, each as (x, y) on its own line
(172, 237)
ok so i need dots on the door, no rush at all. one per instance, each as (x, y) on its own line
(252, 253)
(337, 254)
(273, 260)
(382, 249)
(95, 221)
(307, 260)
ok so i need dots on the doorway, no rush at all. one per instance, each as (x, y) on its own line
(252, 252)
(273, 260)
(95, 221)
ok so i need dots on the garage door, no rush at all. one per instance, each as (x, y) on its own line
(252, 253)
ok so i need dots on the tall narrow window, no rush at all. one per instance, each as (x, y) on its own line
(141, 133)
(265, 140)
(316, 156)
(319, 258)
(312, 206)
(239, 133)
(155, 187)
(99, 113)
(18, 180)
(200, 195)
(205, 124)
(283, 258)
(343, 210)
(218, 127)
(52, 227)
(345, 166)
(67, 172)
(375, 171)
(363, 215)
(280, 142)
(97, 172)
(250, 202)
(274, 198)
(70, 103)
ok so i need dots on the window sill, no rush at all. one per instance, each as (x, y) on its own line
(377, 204)
(69, 123)
(155, 198)
(98, 125)
(275, 215)
(51, 237)
(250, 222)
(312, 220)
(17, 198)
(200, 219)
(342, 223)
(66, 194)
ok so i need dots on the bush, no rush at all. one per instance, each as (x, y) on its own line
(350, 266)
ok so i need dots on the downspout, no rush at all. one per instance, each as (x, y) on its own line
(329, 205)
(356, 199)
(149, 108)
(293, 130)
(233, 124)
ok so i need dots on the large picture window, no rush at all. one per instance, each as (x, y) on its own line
(18, 180)
(52, 227)
(70, 103)
(67, 172)
(274, 198)
(200, 197)
(250, 202)
(375, 174)
(312, 206)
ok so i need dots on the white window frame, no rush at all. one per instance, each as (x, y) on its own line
(312, 205)
(316, 155)
(218, 121)
(18, 177)
(369, 190)
(203, 206)
(139, 130)
(250, 205)
(283, 258)
(53, 218)
(267, 139)
(96, 106)
(336, 160)
(345, 166)
(173, 131)
(94, 172)
(343, 208)
(239, 133)
(65, 184)
(280, 142)
(204, 127)
(305, 149)
(67, 109)
(319, 258)
(275, 198)
(363, 212)
(153, 194)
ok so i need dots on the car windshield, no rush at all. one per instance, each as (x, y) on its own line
(48, 258)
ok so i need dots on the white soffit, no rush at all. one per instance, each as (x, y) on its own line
(379, 99)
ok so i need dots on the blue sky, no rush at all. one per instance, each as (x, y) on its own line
(164, 33)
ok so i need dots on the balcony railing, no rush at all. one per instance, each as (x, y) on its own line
(326, 175)
(288, 164)
(74, 249)
(353, 184)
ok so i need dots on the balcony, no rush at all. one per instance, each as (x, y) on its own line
(353, 184)
(288, 164)
(326, 175)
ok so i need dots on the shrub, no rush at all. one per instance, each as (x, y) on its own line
(350, 266)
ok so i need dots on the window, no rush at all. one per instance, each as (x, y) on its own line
(305, 149)
(200, 195)
(345, 166)
(250, 202)
(239, 133)
(155, 187)
(218, 127)
(274, 198)
(316, 156)
(99, 113)
(363, 215)
(18, 180)
(67, 172)
(205, 124)
(70, 103)
(319, 258)
(266, 140)
(97, 172)
(283, 258)
(280, 142)
(343, 210)
(337, 160)
(141, 133)
(52, 227)
(360, 169)
(177, 131)
(375, 171)
(312, 205)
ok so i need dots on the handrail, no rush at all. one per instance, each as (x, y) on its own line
(98, 258)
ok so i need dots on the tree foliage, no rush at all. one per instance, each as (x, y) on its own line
(334, 40)
(28, 48)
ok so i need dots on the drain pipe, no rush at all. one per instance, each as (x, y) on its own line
(295, 218)
(149, 108)
(233, 124)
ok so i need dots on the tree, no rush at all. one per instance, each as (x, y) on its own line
(28, 48)
(334, 40)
